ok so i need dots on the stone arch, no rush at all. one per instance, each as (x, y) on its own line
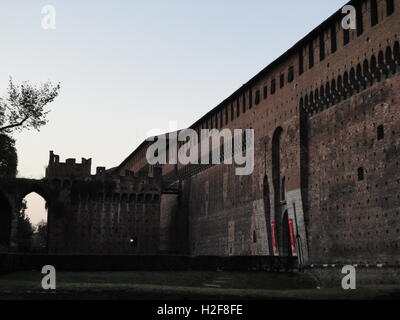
(328, 91)
(340, 84)
(322, 93)
(28, 202)
(390, 60)
(382, 63)
(346, 83)
(374, 68)
(333, 89)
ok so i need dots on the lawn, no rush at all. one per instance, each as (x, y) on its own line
(181, 285)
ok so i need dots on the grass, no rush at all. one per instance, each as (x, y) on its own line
(181, 285)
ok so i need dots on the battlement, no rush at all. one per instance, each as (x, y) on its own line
(69, 168)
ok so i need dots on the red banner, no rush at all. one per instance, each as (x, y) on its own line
(292, 238)
(273, 236)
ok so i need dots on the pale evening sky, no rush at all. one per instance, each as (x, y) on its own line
(127, 67)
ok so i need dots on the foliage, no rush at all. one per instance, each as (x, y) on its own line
(40, 236)
(8, 156)
(25, 230)
(24, 107)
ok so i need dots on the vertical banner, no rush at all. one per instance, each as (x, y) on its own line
(292, 239)
(273, 235)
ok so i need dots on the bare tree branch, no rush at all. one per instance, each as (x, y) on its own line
(24, 107)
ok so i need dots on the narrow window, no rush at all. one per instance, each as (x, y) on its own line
(226, 115)
(232, 112)
(301, 62)
(389, 7)
(257, 99)
(283, 191)
(273, 86)
(374, 13)
(282, 80)
(250, 99)
(321, 47)
(311, 55)
(265, 92)
(290, 74)
(254, 236)
(244, 103)
(360, 174)
(381, 132)
(238, 108)
(346, 36)
(333, 39)
(360, 24)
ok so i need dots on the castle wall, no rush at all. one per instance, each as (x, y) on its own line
(231, 215)
(356, 220)
(325, 181)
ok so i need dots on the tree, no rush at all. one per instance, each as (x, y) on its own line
(24, 107)
(25, 230)
(8, 156)
(40, 236)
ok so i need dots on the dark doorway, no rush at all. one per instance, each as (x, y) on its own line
(286, 246)
(5, 223)
(267, 212)
(276, 180)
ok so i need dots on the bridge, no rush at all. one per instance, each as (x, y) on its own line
(12, 192)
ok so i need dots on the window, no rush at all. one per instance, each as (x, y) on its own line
(257, 99)
(311, 55)
(254, 236)
(381, 132)
(301, 63)
(238, 108)
(333, 39)
(273, 86)
(389, 7)
(283, 190)
(232, 111)
(360, 24)
(282, 80)
(346, 36)
(226, 115)
(265, 92)
(321, 47)
(291, 74)
(244, 103)
(360, 174)
(374, 13)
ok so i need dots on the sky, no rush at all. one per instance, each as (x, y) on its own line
(129, 67)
